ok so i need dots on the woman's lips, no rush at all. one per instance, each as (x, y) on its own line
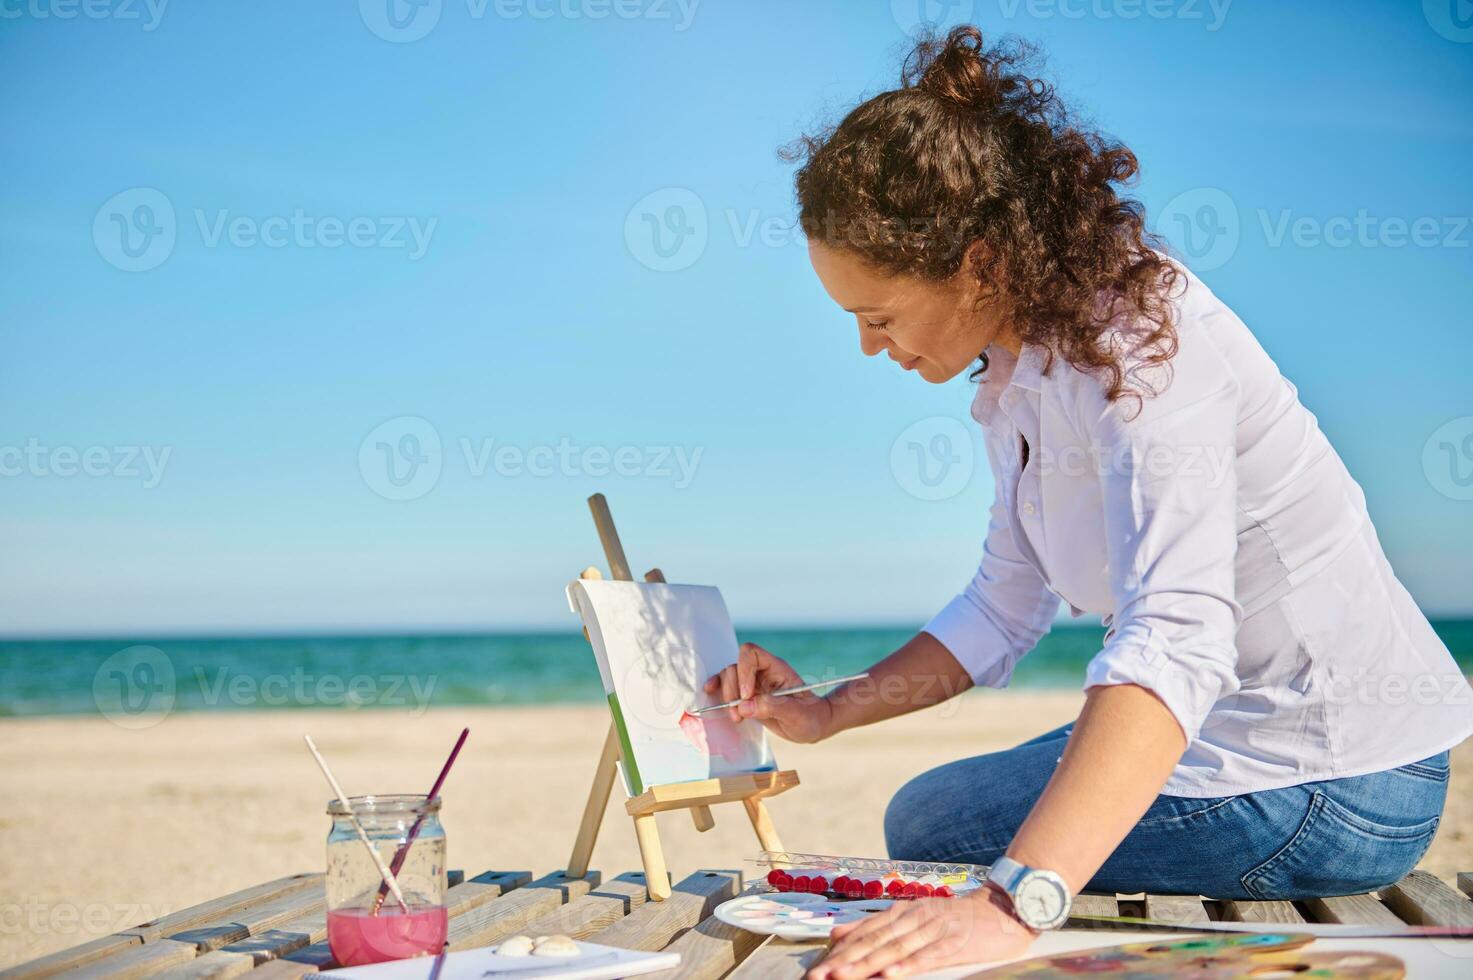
(910, 364)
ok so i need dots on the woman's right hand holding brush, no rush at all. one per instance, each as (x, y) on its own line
(801, 717)
(921, 673)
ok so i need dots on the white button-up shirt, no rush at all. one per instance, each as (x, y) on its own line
(1228, 551)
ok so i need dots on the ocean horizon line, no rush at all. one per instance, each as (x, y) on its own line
(352, 633)
(128, 679)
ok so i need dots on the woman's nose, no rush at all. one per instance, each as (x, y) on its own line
(871, 342)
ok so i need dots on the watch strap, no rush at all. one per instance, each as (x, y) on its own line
(1006, 873)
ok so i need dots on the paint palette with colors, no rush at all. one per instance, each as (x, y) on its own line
(794, 915)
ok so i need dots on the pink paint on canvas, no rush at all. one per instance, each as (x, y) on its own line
(713, 734)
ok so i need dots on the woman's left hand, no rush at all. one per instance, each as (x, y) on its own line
(913, 936)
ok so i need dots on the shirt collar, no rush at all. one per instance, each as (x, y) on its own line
(1007, 370)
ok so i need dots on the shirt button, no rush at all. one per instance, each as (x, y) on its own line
(1029, 509)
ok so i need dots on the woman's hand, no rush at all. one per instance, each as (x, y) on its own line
(803, 717)
(914, 936)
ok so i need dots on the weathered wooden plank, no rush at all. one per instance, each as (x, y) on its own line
(1234, 911)
(234, 904)
(253, 922)
(600, 908)
(283, 970)
(1354, 910)
(778, 959)
(314, 954)
(317, 956)
(1465, 882)
(71, 958)
(1175, 909)
(215, 965)
(654, 926)
(503, 916)
(234, 925)
(482, 888)
(709, 951)
(1424, 899)
(140, 961)
(1100, 905)
(273, 944)
(90, 952)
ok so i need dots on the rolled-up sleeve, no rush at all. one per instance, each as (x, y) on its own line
(1001, 614)
(1169, 489)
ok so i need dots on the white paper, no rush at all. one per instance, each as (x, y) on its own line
(656, 645)
(593, 962)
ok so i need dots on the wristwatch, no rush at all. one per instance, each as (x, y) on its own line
(1040, 898)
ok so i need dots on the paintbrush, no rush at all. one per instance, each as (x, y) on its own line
(439, 963)
(784, 692)
(403, 850)
(383, 869)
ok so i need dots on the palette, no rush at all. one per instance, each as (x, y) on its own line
(1260, 956)
(794, 915)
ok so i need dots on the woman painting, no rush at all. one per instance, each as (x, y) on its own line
(1270, 714)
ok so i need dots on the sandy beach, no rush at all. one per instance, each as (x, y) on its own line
(104, 827)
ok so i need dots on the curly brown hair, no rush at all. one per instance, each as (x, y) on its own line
(972, 151)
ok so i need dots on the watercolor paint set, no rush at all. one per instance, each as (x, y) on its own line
(842, 877)
(804, 896)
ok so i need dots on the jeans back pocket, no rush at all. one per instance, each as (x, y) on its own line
(1339, 852)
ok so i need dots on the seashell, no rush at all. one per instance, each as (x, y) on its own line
(561, 946)
(515, 946)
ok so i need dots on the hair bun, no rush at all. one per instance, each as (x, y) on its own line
(962, 70)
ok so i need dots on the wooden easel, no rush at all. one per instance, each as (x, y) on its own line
(697, 797)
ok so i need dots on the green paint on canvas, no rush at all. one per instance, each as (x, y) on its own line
(631, 768)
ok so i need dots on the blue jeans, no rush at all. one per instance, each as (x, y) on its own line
(1335, 837)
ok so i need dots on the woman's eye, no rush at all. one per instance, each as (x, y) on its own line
(876, 324)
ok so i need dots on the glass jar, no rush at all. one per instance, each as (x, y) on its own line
(363, 925)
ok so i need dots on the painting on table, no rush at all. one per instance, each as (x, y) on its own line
(655, 645)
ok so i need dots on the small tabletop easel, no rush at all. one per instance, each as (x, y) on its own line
(697, 796)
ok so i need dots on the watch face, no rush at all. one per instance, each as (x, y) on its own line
(1041, 901)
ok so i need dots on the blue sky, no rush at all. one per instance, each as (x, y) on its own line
(343, 245)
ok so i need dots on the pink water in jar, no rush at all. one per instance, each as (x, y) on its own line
(357, 934)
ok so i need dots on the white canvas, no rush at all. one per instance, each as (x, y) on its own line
(656, 644)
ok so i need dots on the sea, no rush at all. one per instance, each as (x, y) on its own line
(129, 679)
